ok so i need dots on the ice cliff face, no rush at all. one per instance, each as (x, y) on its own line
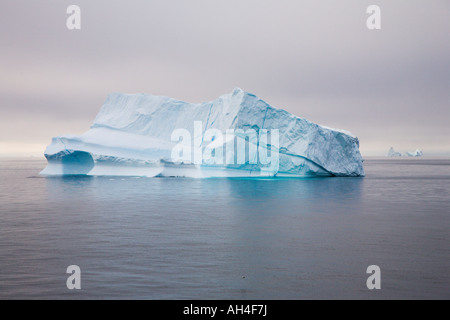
(133, 135)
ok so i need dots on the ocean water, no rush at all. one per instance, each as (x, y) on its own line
(173, 238)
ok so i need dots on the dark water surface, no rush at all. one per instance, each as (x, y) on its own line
(170, 238)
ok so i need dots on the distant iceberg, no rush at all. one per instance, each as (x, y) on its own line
(393, 153)
(416, 153)
(133, 135)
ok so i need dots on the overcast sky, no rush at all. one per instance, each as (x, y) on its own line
(316, 59)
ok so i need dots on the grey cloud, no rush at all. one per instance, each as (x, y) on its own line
(314, 58)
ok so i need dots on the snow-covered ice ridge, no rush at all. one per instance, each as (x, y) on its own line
(131, 136)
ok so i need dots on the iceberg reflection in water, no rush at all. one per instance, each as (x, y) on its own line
(175, 238)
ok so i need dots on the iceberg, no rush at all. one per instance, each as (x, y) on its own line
(417, 153)
(393, 153)
(141, 135)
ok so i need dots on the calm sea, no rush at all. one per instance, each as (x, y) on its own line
(171, 238)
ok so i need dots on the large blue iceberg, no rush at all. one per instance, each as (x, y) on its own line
(133, 135)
